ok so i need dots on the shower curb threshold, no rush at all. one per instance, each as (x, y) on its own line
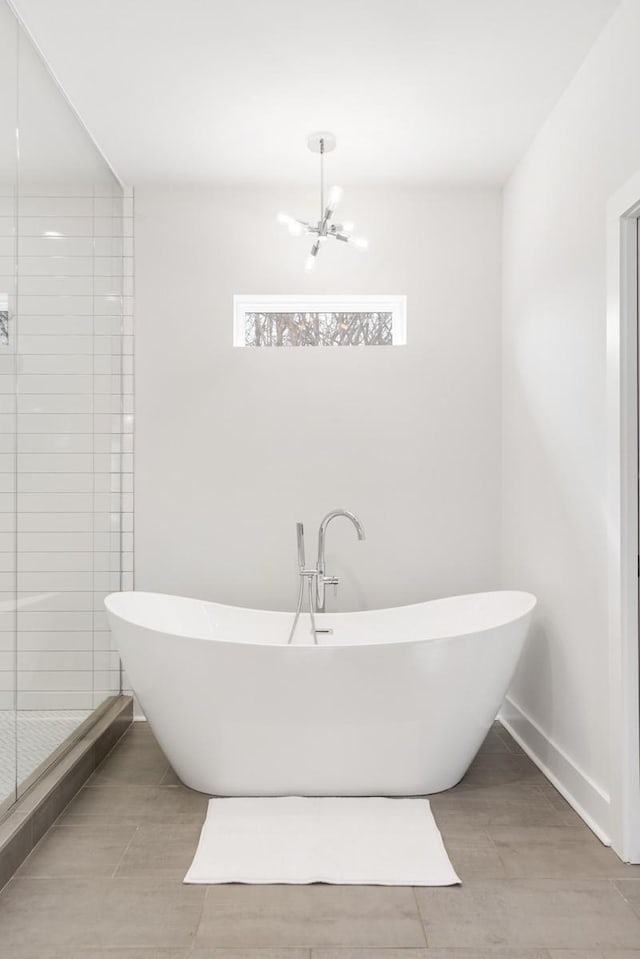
(26, 822)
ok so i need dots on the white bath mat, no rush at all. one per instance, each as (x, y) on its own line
(370, 841)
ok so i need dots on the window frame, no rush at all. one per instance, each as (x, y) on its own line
(396, 304)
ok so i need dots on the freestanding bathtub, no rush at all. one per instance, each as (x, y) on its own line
(393, 702)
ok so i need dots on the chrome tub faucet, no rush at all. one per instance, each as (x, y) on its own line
(321, 580)
(314, 577)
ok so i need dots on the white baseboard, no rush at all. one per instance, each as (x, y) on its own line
(585, 796)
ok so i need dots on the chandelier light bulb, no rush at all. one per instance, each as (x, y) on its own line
(335, 195)
(325, 227)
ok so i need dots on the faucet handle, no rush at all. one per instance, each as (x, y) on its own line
(332, 581)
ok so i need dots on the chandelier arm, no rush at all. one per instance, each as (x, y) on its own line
(321, 177)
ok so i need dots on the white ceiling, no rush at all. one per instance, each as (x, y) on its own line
(416, 90)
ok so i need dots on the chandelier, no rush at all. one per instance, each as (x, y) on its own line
(325, 227)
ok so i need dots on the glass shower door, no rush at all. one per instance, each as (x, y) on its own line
(8, 438)
(65, 424)
(69, 317)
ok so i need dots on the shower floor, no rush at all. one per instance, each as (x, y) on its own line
(32, 735)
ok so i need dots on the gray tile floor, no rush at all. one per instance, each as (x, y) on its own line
(106, 880)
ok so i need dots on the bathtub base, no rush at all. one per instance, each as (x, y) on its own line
(394, 702)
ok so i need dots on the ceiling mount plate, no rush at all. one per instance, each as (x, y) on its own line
(315, 139)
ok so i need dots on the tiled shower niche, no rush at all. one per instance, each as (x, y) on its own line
(66, 384)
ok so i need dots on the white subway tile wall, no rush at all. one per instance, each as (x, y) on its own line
(66, 452)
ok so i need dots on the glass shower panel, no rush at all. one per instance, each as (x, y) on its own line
(8, 213)
(111, 456)
(69, 398)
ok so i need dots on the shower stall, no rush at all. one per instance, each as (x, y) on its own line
(65, 416)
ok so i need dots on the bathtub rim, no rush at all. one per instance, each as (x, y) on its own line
(325, 643)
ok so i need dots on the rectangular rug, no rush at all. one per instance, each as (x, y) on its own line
(345, 841)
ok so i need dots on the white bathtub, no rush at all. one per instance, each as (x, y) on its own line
(396, 702)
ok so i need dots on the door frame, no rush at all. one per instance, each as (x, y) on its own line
(623, 211)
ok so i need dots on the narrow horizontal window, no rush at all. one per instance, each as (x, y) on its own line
(319, 321)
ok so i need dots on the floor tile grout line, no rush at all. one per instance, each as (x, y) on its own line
(561, 812)
(168, 769)
(36, 848)
(116, 782)
(125, 851)
(200, 916)
(496, 850)
(419, 914)
(619, 891)
(123, 785)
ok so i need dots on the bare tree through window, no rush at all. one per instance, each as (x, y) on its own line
(319, 329)
(4, 319)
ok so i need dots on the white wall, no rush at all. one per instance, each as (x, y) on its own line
(234, 445)
(553, 517)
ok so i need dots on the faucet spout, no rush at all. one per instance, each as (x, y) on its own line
(322, 533)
